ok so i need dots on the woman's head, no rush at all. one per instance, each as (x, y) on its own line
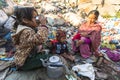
(61, 35)
(26, 16)
(93, 16)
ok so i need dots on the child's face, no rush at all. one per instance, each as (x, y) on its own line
(63, 39)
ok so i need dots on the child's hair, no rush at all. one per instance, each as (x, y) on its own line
(95, 12)
(59, 34)
(23, 12)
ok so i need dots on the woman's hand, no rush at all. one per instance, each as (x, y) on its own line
(43, 20)
(84, 34)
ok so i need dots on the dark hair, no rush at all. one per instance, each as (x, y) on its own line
(59, 34)
(23, 12)
(95, 12)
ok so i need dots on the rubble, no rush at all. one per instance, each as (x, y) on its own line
(69, 16)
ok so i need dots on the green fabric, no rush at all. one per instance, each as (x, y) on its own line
(34, 62)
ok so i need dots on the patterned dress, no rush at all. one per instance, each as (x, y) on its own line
(25, 39)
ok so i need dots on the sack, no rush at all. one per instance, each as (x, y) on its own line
(10, 22)
(8, 10)
(3, 17)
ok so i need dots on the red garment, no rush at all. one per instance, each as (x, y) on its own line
(94, 32)
(77, 36)
(54, 41)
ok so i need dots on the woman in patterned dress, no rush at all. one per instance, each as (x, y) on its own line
(29, 34)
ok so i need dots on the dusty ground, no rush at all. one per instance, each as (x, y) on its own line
(41, 74)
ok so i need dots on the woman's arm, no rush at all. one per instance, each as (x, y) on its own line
(96, 39)
(29, 37)
(87, 34)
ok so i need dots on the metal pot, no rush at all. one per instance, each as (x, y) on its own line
(54, 66)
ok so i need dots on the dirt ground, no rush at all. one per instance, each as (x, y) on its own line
(41, 74)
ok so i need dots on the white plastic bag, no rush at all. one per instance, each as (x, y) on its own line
(85, 70)
(3, 17)
(10, 23)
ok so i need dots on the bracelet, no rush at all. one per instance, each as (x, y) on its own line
(44, 26)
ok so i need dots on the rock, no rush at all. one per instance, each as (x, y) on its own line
(101, 75)
(87, 7)
(108, 9)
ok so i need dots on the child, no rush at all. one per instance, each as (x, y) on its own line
(78, 39)
(60, 45)
(75, 39)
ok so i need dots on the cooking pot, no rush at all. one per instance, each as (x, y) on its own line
(54, 66)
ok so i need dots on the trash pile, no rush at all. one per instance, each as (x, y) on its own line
(68, 17)
(111, 33)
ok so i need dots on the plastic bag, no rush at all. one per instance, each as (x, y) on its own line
(3, 17)
(10, 22)
(85, 70)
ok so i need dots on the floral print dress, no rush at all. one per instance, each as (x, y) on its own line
(25, 39)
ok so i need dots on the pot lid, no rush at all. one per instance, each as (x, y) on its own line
(54, 59)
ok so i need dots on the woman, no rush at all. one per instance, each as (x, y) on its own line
(90, 36)
(27, 37)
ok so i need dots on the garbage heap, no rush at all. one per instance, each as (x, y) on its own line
(68, 16)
